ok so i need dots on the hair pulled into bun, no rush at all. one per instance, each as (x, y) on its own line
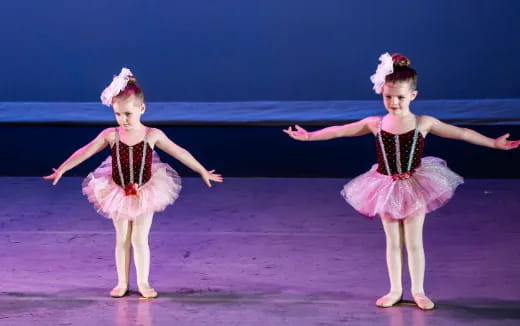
(400, 60)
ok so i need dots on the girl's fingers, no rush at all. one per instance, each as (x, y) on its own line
(288, 131)
(206, 180)
(504, 137)
(50, 176)
(216, 177)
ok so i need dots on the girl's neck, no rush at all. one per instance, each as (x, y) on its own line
(400, 117)
(134, 131)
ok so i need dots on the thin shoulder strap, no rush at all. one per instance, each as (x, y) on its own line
(118, 159)
(414, 143)
(380, 125)
(146, 134)
(143, 157)
(416, 124)
(382, 146)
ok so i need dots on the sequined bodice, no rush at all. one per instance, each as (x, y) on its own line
(131, 160)
(399, 155)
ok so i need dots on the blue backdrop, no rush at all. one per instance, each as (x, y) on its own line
(242, 50)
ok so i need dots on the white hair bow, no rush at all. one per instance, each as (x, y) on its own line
(116, 86)
(385, 68)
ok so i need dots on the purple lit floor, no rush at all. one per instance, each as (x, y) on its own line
(255, 252)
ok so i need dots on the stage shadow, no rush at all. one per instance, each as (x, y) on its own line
(481, 308)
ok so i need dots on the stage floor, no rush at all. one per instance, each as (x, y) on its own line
(255, 251)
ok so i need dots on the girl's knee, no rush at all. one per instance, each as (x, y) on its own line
(394, 245)
(413, 247)
(122, 240)
(122, 228)
(139, 241)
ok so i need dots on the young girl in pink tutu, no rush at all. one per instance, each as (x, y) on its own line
(403, 186)
(132, 183)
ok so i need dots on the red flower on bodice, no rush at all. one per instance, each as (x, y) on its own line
(131, 189)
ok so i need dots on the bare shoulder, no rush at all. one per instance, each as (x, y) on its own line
(372, 122)
(427, 119)
(154, 135)
(155, 132)
(108, 134)
(426, 123)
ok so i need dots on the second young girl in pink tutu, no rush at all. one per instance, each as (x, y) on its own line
(132, 183)
(403, 186)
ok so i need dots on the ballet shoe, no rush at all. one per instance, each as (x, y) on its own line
(148, 293)
(389, 300)
(119, 292)
(423, 302)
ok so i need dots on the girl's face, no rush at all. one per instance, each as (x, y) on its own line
(128, 112)
(397, 97)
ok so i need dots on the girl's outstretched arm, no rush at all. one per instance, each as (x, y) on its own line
(358, 128)
(165, 144)
(445, 130)
(82, 154)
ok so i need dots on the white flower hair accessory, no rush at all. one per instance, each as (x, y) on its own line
(116, 86)
(385, 68)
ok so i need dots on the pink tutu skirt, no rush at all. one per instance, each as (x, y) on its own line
(154, 196)
(429, 188)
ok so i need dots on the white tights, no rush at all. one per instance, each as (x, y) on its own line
(407, 233)
(135, 234)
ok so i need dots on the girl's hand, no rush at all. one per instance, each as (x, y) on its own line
(298, 134)
(209, 176)
(502, 143)
(56, 176)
